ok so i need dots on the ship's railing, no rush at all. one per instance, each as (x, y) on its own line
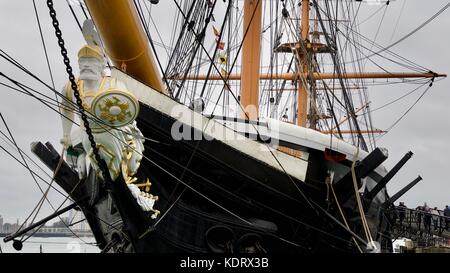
(423, 218)
(422, 225)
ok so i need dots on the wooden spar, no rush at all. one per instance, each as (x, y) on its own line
(317, 89)
(347, 118)
(251, 54)
(340, 88)
(327, 76)
(302, 106)
(354, 132)
(124, 39)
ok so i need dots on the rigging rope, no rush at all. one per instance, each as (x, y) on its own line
(379, 28)
(142, 19)
(358, 200)
(273, 155)
(14, 62)
(113, 227)
(370, 42)
(397, 99)
(72, 107)
(217, 47)
(372, 15)
(349, 105)
(429, 20)
(150, 18)
(23, 165)
(17, 64)
(74, 15)
(101, 163)
(234, 214)
(330, 183)
(398, 21)
(44, 47)
(44, 197)
(26, 164)
(409, 109)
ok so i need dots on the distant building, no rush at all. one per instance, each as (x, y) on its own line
(63, 223)
(66, 226)
(10, 228)
(7, 227)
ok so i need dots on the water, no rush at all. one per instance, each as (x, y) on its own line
(54, 245)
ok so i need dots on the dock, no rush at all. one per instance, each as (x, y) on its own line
(429, 233)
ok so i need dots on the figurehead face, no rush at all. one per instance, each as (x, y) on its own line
(91, 63)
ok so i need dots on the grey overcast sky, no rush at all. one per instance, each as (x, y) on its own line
(424, 131)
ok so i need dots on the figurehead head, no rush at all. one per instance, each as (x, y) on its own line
(91, 62)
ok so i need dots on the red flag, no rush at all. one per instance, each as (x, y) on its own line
(221, 45)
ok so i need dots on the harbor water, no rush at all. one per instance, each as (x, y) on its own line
(53, 245)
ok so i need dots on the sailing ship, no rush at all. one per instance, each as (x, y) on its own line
(249, 148)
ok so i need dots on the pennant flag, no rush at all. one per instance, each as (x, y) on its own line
(222, 59)
(221, 45)
(216, 32)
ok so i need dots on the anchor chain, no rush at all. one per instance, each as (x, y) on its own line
(101, 163)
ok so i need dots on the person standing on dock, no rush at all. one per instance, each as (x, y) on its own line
(419, 216)
(401, 212)
(435, 215)
(427, 217)
(447, 215)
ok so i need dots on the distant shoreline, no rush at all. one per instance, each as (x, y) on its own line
(52, 234)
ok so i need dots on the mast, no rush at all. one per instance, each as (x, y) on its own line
(302, 105)
(251, 54)
(125, 41)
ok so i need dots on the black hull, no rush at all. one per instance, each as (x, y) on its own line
(253, 191)
(214, 198)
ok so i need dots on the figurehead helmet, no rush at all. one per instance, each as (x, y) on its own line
(91, 51)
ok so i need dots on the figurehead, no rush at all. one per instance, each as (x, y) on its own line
(93, 51)
(119, 141)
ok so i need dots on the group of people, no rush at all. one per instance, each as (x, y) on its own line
(426, 215)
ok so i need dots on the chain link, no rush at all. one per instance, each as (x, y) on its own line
(101, 163)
